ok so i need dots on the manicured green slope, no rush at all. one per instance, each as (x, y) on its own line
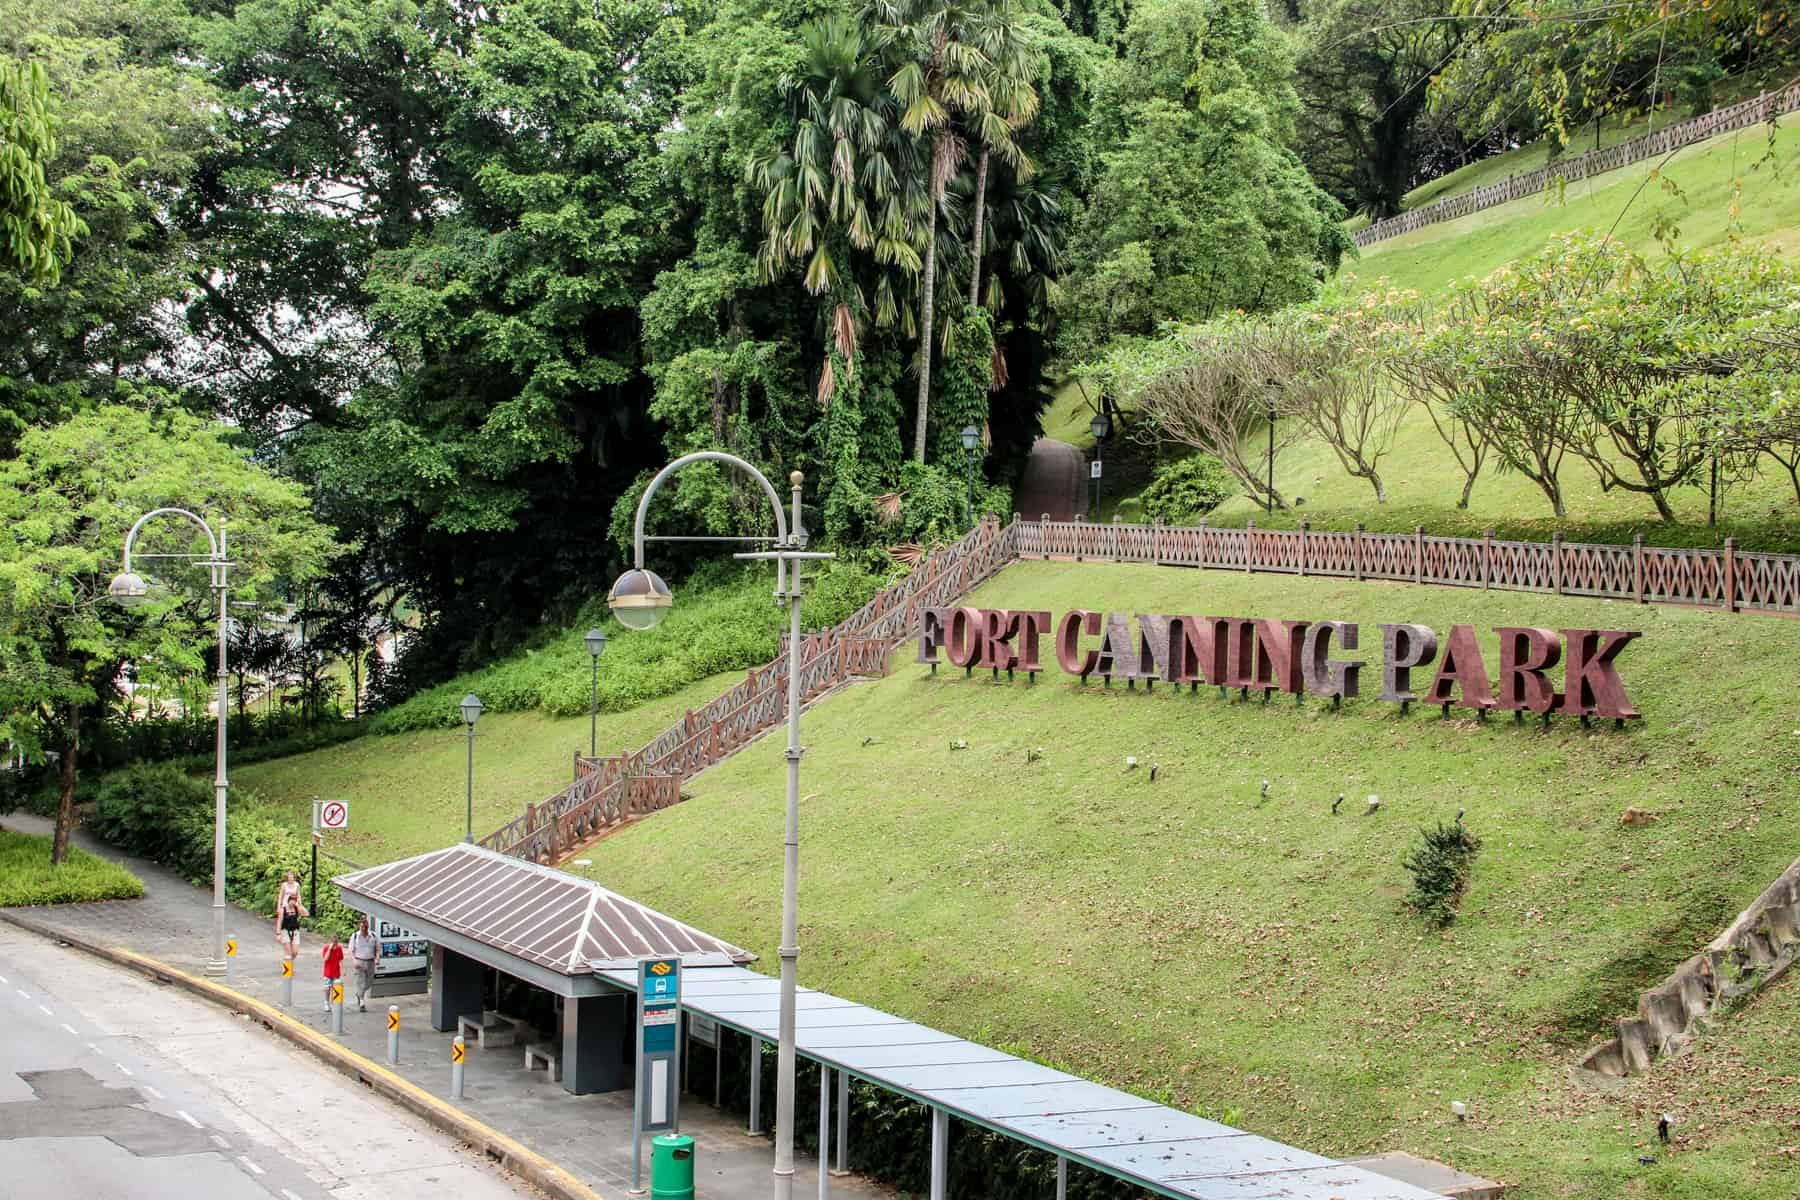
(407, 791)
(1197, 944)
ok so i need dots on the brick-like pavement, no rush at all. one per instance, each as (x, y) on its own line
(588, 1136)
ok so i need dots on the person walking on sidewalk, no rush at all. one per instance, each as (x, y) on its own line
(333, 955)
(363, 951)
(287, 925)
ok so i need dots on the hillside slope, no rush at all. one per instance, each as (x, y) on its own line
(1273, 970)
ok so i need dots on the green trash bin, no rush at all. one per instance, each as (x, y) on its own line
(672, 1167)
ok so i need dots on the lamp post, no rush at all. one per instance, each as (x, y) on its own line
(1269, 399)
(471, 713)
(1101, 428)
(640, 600)
(971, 438)
(130, 589)
(596, 646)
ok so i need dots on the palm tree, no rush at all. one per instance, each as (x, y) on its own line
(937, 51)
(1017, 61)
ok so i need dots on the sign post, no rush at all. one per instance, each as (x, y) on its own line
(329, 814)
(287, 982)
(393, 1035)
(656, 1099)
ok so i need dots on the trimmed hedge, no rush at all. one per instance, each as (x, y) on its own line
(27, 876)
(155, 811)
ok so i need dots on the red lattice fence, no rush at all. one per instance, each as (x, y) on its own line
(1595, 162)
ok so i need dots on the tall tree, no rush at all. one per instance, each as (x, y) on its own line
(69, 496)
(36, 226)
(1014, 69)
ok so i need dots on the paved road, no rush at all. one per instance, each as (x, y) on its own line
(1054, 482)
(113, 1086)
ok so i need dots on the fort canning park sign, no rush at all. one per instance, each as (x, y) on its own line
(1542, 671)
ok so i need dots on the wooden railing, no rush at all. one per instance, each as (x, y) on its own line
(607, 791)
(1651, 145)
(1726, 578)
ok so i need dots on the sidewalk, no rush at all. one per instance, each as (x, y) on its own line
(588, 1136)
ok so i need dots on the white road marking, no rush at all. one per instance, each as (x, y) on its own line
(71, 1029)
(290, 1193)
(252, 1166)
(123, 1067)
(182, 1113)
(5, 980)
(220, 1142)
(154, 1094)
(23, 993)
(45, 1009)
(94, 1046)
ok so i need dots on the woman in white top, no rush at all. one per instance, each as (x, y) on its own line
(288, 911)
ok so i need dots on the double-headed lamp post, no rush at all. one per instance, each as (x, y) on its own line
(640, 600)
(596, 646)
(971, 438)
(129, 589)
(471, 713)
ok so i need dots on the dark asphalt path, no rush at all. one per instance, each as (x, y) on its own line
(1054, 483)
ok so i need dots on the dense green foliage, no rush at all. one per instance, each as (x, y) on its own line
(35, 225)
(27, 875)
(166, 816)
(725, 621)
(1186, 490)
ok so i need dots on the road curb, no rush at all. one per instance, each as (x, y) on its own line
(527, 1164)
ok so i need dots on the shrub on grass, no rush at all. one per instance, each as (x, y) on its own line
(1440, 862)
(27, 876)
(1185, 491)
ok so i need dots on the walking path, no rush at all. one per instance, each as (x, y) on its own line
(588, 1136)
(1053, 483)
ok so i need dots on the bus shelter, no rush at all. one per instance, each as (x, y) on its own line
(496, 922)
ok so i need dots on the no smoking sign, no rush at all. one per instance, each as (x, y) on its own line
(334, 814)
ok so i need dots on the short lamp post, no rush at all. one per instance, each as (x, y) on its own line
(1101, 428)
(1269, 500)
(596, 646)
(971, 439)
(471, 713)
(640, 600)
(129, 589)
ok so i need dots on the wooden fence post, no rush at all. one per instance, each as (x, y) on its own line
(1487, 559)
(1637, 567)
(1115, 537)
(1730, 574)
(576, 778)
(1303, 528)
(1356, 550)
(1080, 520)
(1556, 561)
(1156, 541)
(1418, 554)
(1249, 540)
(1202, 540)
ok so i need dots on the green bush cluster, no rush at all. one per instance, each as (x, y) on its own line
(155, 811)
(1185, 491)
(1440, 862)
(27, 876)
(726, 619)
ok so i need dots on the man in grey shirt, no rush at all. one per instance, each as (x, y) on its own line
(364, 949)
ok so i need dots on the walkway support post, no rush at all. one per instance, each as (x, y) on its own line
(940, 1153)
(756, 1046)
(843, 1122)
(1062, 1178)
(824, 1131)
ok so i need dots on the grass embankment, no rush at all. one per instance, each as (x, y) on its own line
(1196, 944)
(27, 877)
(406, 792)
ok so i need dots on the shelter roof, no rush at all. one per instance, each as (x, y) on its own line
(549, 918)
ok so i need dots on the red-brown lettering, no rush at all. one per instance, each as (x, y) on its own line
(1069, 654)
(1526, 652)
(1591, 684)
(1462, 670)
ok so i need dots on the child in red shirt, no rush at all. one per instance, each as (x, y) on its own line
(334, 967)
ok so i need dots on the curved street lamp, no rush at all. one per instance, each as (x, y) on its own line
(640, 599)
(129, 590)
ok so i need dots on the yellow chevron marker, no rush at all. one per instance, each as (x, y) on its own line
(393, 1021)
(456, 1052)
(337, 993)
(230, 947)
(287, 968)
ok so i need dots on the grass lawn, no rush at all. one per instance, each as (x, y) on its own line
(1430, 259)
(26, 876)
(406, 792)
(1274, 970)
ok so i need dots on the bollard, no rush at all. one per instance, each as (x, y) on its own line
(457, 1050)
(287, 982)
(393, 1035)
(337, 1009)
